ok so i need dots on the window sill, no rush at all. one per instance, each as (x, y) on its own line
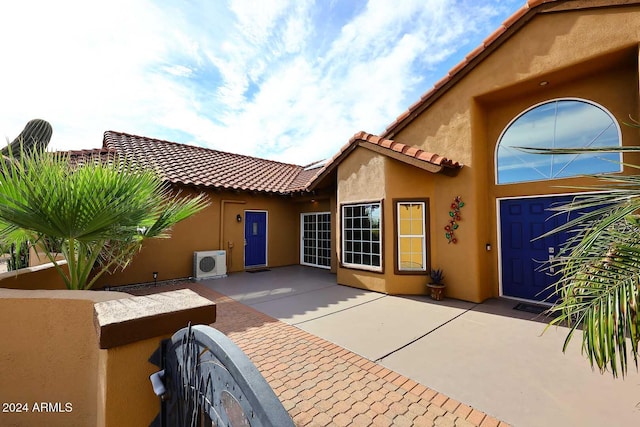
(363, 268)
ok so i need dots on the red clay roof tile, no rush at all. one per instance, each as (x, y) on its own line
(441, 82)
(375, 139)
(475, 52)
(95, 155)
(427, 157)
(303, 178)
(516, 16)
(458, 67)
(534, 3)
(428, 93)
(203, 167)
(403, 115)
(398, 147)
(494, 36)
(412, 151)
(415, 105)
(386, 144)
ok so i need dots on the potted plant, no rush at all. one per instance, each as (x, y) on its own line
(436, 287)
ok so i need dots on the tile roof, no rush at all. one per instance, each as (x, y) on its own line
(95, 155)
(190, 165)
(501, 34)
(203, 167)
(412, 155)
(304, 177)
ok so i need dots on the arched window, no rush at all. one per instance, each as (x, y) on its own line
(561, 123)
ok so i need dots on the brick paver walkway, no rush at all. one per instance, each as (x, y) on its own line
(322, 384)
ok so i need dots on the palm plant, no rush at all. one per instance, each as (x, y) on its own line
(599, 288)
(98, 213)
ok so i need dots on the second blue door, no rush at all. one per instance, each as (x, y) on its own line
(255, 236)
(522, 221)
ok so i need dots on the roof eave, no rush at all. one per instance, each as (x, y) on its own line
(360, 139)
(332, 164)
(420, 164)
(459, 71)
(507, 29)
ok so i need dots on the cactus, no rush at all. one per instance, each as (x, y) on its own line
(19, 256)
(35, 136)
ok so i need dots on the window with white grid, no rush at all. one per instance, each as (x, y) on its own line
(316, 239)
(361, 237)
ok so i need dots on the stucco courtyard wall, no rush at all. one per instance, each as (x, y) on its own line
(43, 276)
(49, 354)
(81, 358)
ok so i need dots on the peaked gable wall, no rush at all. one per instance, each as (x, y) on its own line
(590, 53)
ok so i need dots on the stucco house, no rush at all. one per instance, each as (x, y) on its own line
(386, 208)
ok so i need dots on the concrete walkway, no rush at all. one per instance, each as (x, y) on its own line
(322, 384)
(489, 356)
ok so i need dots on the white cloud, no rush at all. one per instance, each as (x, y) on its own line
(78, 65)
(284, 79)
(361, 83)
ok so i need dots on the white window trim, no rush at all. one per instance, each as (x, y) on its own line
(423, 236)
(522, 113)
(342, 238)
(302, 261)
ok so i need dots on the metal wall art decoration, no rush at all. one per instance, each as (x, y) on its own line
(454, 215)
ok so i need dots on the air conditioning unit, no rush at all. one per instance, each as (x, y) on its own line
(209, 264)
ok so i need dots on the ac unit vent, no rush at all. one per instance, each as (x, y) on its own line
(209, 264)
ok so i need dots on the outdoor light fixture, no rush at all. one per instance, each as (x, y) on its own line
(239, 218)
(158, 384)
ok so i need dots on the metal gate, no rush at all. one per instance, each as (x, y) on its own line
(206, 380)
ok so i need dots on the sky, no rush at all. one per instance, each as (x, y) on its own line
(286, 80)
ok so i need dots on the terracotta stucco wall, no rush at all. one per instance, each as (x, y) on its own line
(405, 182)
(366, 176)
(173, 258)
(360, 179)
(126, 397)
(57, 370)
(43, 276)
(590, 54)
(49, 353)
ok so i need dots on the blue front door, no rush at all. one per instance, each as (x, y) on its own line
(524, 274)
(255, 236)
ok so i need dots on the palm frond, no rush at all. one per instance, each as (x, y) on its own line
(600, 274)
(95, 211)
